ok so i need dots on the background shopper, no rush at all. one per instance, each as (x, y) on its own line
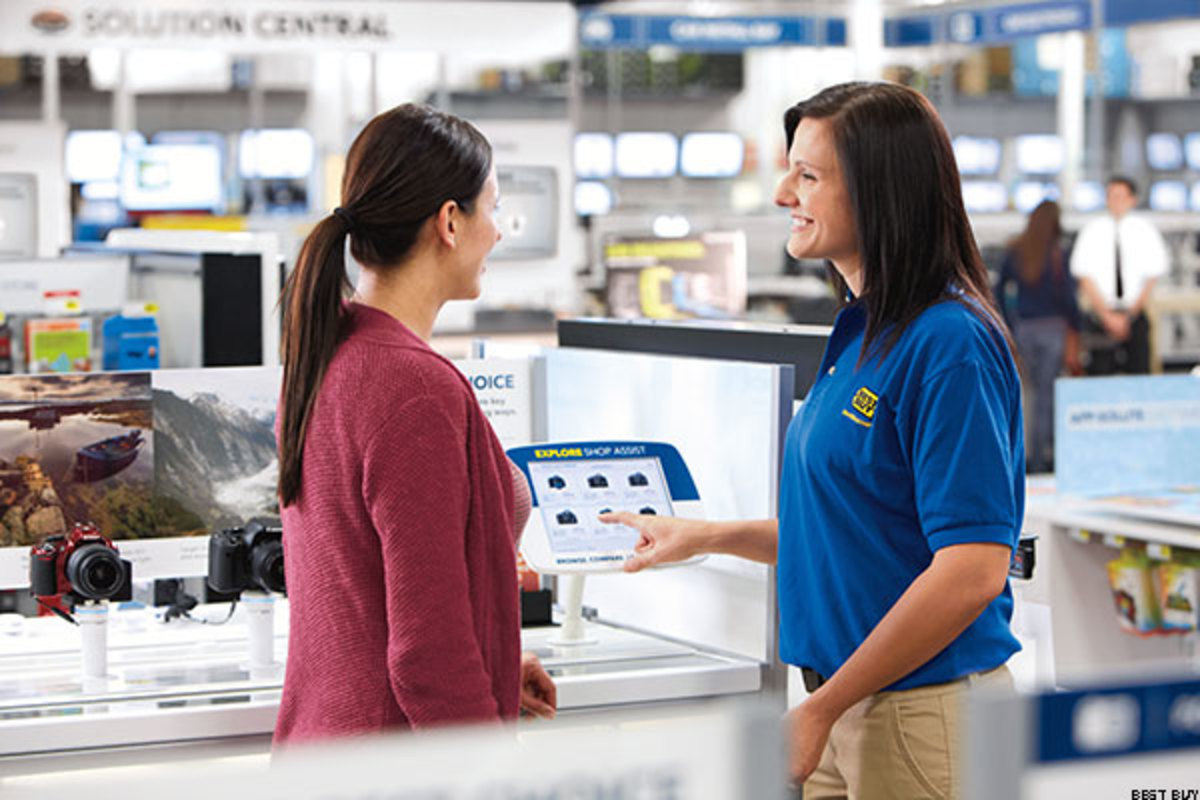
(1117, 260)
(1037, 294)
(400, 508)
(902, 488)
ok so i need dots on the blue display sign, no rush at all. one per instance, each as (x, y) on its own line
(1000, 24)
(1118, 721)
(717, 34)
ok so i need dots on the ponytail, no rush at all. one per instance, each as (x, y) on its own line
(313, 317)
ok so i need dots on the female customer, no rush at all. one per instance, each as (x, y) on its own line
(902, 486)
(400, 509)
(1037, 293)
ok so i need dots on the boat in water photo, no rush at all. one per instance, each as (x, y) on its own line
(107, 457)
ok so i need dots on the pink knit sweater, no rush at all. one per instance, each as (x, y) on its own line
(401, 564)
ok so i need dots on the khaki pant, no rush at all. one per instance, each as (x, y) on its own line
(901, 745)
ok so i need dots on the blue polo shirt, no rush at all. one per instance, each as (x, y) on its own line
(887, 463)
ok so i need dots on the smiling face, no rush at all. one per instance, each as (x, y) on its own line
(476, 234)
(814, 190)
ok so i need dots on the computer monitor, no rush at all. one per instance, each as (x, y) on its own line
(1168, 196)
(977, 155)
(592, 198)
(275, 153)
(593, 155)
(984, 197)
(1191, 147)
(95, 155)
(1088, 196)
(710, 154)
(646, 155)
(1164, 152)
(1028, 194)
(1040, 154)
(172, 177)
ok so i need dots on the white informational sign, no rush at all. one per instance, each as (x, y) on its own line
(261, 26)
(504, 388)
(99, 283)
(36, 149)
(715, 752)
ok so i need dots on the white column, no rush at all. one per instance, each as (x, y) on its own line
(51, 88)
(1071, 112)
(865, 37)
(124, 116)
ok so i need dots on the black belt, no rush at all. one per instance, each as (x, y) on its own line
(813, 680)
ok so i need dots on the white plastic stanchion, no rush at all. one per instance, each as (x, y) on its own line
(574, 630)
(260, 619)
(92, 617)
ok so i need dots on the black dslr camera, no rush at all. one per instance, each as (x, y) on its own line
(246, 558)
(81, 565)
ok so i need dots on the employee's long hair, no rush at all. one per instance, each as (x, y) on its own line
(403, 166)
(913, 233)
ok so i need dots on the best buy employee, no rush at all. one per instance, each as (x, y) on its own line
(902, 490)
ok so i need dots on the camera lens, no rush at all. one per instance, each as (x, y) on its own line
(266, 565)
(95, 572)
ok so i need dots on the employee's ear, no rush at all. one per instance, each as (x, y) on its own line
(446, 221)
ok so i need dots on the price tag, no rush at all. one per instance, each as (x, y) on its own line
(1080, 535)
(1113, 540)
(1159, 552)
(62, 301)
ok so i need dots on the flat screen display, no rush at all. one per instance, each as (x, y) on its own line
(1168, 196)
(646, 155)
(275, 153)
(983, 197)
(1191, 147)
(594, 155)
(711, 155)
(166, 177)
(1028, 194)
(1164, 152)
(1088, 196)
(96, 155)
(1040, 154)
(977, 155)
(572, 494)
(592, 198)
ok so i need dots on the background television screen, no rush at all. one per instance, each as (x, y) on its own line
(1088, 196)
(977, 155)
(1027, 194)
(275, 153)
(646, 155)
(165, 177)
(1169, 196)
(1040, 154)
(96, 155)
(592, 198)
(982, 197)
(1191, 146)
(1195, 198)
(711, 155)
(593, 155)
(1164, 151)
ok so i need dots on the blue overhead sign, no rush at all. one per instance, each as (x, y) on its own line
(989, 25)
(1007, 23)
(727, 34)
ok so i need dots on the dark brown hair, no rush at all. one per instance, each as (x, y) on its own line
(404, 165)
(1039, 243)
(902, 180)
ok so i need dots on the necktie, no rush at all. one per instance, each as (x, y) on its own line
(1117, 261)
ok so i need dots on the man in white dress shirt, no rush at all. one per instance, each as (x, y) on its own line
(1117, 260)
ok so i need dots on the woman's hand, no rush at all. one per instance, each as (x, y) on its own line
(539, 695)
(808, 726)
(662, 540)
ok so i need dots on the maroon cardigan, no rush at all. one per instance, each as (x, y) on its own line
(401, 561)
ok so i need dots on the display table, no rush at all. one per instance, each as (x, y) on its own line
(185, 684)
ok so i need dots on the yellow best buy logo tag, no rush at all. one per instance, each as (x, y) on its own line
(864, 402)
(863, 406)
